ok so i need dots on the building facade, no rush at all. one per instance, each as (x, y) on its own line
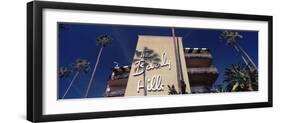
(202, 73)
(117, 83)
(167, 67)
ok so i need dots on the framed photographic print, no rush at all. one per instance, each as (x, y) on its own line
(95, 61)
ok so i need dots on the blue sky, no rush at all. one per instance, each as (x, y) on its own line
(78, 40)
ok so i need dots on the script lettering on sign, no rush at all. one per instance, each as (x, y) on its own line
(155, 83)
(151, 66)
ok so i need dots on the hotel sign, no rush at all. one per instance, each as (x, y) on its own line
(156, 82)
(154, 67)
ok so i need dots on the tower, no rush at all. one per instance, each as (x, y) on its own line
(201, 72)
(155, 68)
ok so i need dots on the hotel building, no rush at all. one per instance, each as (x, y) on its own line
(117, 83)
(202, 73)
(178, 70)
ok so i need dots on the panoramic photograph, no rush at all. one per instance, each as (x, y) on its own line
(106, 60)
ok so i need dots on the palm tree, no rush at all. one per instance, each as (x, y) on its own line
(80, 65)
(241, 78)
(102, 41)
(232, 40)
(146, 56)
(64, 72)
(172, 90)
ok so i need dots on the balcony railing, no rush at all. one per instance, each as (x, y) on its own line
(211, 70)
(114, 93)
(198, 55)
(120, 76)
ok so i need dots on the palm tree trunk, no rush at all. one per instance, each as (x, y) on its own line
(248, 57)
(233, 89)
(93, 73)
(237, 46)
(144, 82)
(71, 83)
(243, 58)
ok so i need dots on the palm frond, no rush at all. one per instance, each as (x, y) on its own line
(103, 40)
(64, 72)
(240, 78)
(81, 65)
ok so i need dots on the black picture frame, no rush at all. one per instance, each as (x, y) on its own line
(35, 69)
